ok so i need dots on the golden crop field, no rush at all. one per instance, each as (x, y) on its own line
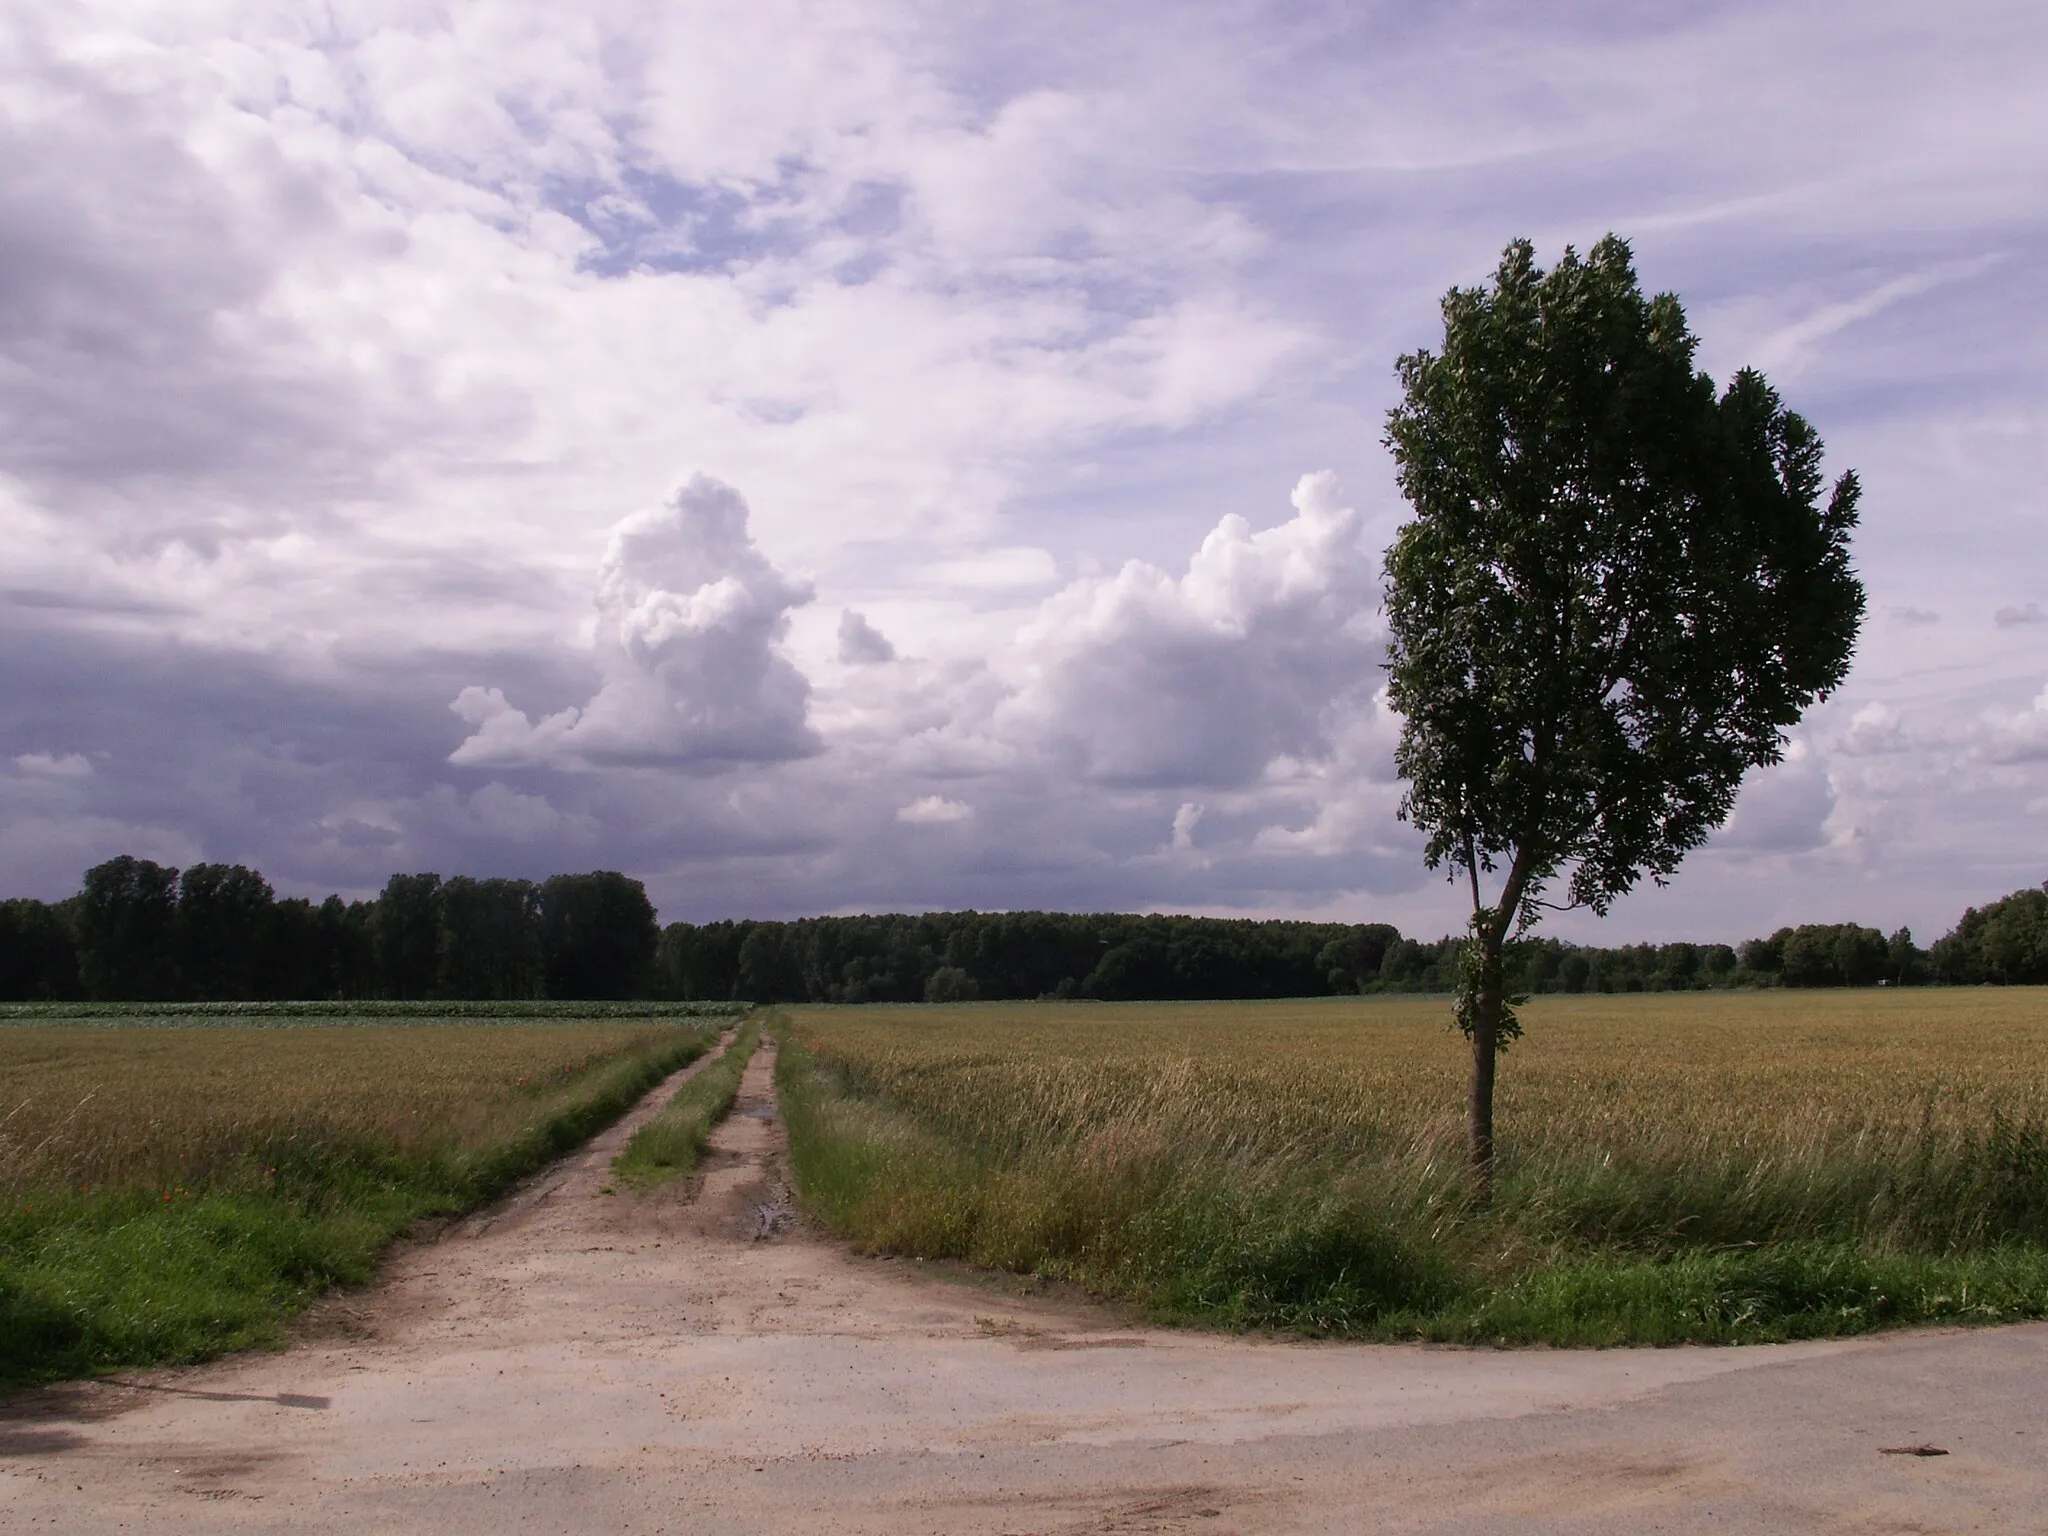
(101, 1105)
(171, 1190)
(1134, 1145)
(1762, 1074)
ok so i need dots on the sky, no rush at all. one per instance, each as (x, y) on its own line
(831, 457)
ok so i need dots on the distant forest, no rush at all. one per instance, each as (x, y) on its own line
(139, 931)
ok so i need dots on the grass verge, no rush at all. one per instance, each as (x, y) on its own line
(230, 1237)
(668, 1145)
(1739, 1177)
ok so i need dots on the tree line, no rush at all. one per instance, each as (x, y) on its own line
(139, 931)
(142, 932)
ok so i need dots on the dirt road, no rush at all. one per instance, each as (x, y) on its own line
(581, 1360)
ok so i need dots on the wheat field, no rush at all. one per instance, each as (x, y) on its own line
(1246, 1158)
(171, 1190)
(191, 1105)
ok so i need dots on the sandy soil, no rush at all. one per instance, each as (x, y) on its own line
(694, 1360)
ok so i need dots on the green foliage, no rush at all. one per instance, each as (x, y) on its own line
(1741, 1296)
(2005, 942)
(1106, 955)
(127, 921)
(597, 935)
(406, 929)
(669, 1145)
(950, 984)
(142, 932)
(219, 907)
(1618, 588)
(1482, 976)
(38, 952)
(490, 940)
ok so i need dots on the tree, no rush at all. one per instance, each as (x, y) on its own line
(128, 931)
(597, 936)
(1618, 589)
(950, 984)
(224, 915)
(2005, 942)
(38, 953)
(490, 939)
(407, 929)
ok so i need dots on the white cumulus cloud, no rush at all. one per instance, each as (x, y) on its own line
(1875, 727)
(2018, 736)
(1147, 679)
(690, 618)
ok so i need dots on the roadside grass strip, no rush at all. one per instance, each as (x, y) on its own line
(669, 1145)
(1672, 1170)
(168, 1194)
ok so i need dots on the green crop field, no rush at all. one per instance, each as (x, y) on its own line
(1673, 1166)
(169, 1189)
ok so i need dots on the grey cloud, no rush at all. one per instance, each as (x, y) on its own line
(2018, 736)
(2024, 613)
(328, 780)
(1875, 728)
(690, 616)
(201, 753)
(132, 281)
(1781, 809)
(1147, 680)
(860, 643)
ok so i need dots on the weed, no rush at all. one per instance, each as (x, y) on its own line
(669, 1145)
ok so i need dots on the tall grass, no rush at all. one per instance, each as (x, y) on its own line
(668, 1145)
(1717, 1167)
(170, 1193)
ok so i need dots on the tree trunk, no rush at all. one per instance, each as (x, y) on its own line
(1485, 1052)
(1490, 928)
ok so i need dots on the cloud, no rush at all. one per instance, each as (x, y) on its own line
(2025, 613)
(499, 812)
(55, 765)
(860, 643)
(139, 255)
(935, 811)
(1906, 614)
(330, 349)
(1783, 808)
(1790, 350)
(1185, 820)
(2019, 736)
(1144, 679)
(996, 570)
(1874, 728)
(690, 617)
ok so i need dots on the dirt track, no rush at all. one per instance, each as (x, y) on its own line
(692, 1360)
